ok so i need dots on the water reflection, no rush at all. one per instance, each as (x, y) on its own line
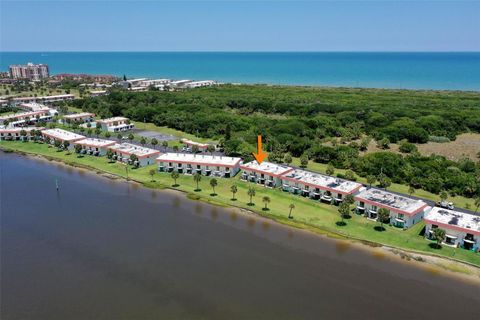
(125, 260)
(251, 222)
(342, 246)
(198, 208)
(378, 255)
(176, 202)
(153, 195)
(233, 216)
(214, 213)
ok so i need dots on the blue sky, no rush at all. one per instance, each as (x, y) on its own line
(239, 25)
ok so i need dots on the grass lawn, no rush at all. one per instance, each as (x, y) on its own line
(458, 201)
(37, 91)
(307, 214)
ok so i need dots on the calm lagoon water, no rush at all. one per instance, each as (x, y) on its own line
(453, 71)
(102, 249)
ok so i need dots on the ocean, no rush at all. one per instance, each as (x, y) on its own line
(437, 71)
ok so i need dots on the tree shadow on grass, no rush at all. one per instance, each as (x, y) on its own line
(379, 229)
(341, 223)
(250, 204)
(213, 194)
(197, 190)
(265, 209)
(347, 216)
(435, 246)
(233, 199)
(175, 185)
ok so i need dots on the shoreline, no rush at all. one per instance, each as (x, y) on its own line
(431, 263)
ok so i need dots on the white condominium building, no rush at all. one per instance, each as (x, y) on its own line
(267, 173)
(30, 71)
(318, 186)
(404, 211)
(96, 147)
(461, 229)
(219, 166)
(123, 152)
(116, 124)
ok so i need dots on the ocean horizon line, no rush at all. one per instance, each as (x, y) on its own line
(231, 51)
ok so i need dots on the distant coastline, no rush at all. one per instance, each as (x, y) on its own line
(389, 70)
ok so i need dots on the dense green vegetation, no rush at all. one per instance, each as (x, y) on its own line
(300, 120)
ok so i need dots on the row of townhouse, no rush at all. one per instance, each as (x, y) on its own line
(33, 106)
(99, 147)
(45, 99)
(123, 152)
(208, 165)
(22, 119)
(81, 117)
(461, 229)
(62, 136)
(404, 212)
(318, 186)
(116, 124)
(14, 134)
(267, 173)
(189, 144)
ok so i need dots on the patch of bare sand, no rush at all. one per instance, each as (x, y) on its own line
(466, 145)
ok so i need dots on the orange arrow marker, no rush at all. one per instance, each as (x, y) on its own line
(260, 155)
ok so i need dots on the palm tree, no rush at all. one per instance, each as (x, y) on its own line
(411, 190)
(303, 160)
(251, 193)
(131, 137)
(443, 196)
(349, 199)
(439, 236)
(165, 145)
(197, 177)
(213, 184)
(23, 133)
(78, 149)
(287, 159)
(154, 142)
(383, 214)
(233, 190)
(109, 155)
(211, 149)
(383, 180)
(134, 160)
(343, 210)
(108, 134)
(175, 148)
(291, 206)
(175, 175)
(119, 136)
(266, 201)
(143, 141)
(151, 173)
